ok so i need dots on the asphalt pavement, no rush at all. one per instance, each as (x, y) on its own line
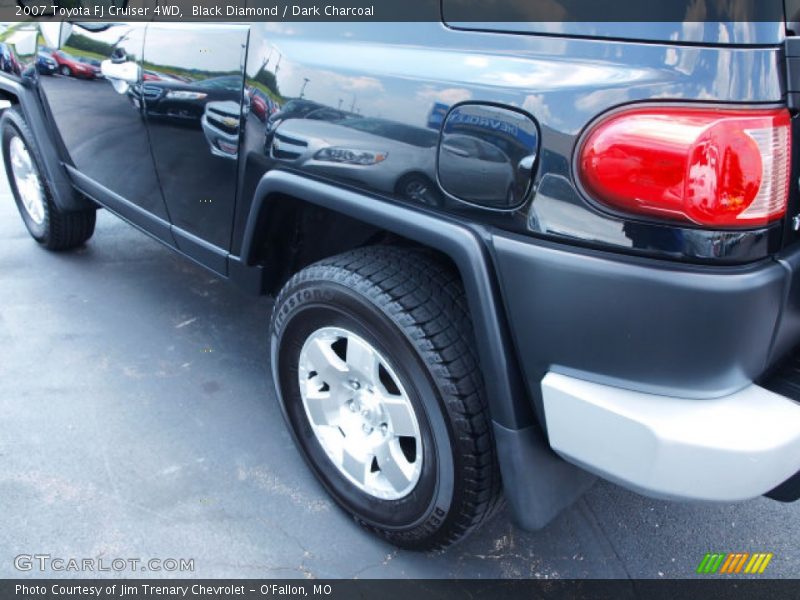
(137, 421)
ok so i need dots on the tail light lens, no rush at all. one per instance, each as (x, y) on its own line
(709, 167)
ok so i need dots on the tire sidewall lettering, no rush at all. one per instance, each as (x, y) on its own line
(295, 307)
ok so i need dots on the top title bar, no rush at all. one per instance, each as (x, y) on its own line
(450, 11)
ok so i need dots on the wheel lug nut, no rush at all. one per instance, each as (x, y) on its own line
(352, 406)
(365, 413)
(384, 428)
(355, 384)
(367, 428)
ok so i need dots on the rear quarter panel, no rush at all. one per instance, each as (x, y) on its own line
(409, 72)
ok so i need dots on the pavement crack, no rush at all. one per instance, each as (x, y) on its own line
(599, 526)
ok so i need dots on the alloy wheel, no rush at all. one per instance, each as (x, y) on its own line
(360, 413)
(27, 180)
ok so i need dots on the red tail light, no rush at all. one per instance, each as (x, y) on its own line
(710, 167)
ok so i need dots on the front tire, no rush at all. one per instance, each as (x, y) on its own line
(65, 71)
(52, 228)
(374, 360)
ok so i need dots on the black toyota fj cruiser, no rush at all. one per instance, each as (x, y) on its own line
(501, 252)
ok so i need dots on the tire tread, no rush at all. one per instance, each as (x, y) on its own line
(63, 230)
(423, 295)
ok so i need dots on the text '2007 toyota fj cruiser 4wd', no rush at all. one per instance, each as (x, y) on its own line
(501, 252)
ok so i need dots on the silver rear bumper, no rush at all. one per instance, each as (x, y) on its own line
(731, 448)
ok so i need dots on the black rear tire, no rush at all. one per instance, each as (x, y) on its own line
(58, 230)
(410, 306)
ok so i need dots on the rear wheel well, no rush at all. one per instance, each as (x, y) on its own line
(4, 95)
(294, 233)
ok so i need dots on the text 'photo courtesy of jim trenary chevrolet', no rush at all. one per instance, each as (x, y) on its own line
(417, 293)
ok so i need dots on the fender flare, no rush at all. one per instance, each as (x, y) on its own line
(508, 399)
(64, 194)
(537, 483)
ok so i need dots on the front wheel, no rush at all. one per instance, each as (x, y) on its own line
(51, 227)
(374, 361)
(65, 70)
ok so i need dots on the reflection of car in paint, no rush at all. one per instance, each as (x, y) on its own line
(45, 63)
(330, 114)
(259, 104)
(474, 167)
(8, 60)
(71, 66)
(181, 101)
(151, 75)
(93, 64)
(297, 108)
(220, 123)
(306, 110)
(383, 155)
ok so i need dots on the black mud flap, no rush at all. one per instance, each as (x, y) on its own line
(788, 491)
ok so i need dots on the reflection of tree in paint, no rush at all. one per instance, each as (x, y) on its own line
(82, 42)
(268, 80)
